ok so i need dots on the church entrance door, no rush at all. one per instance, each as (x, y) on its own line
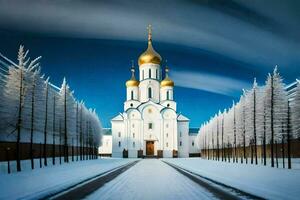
(150, 148)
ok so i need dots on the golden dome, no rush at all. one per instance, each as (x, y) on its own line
(167, 81)
(150, 55)
(132, 82)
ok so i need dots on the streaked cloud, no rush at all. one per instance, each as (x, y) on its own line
(209, 82)
(263, 33)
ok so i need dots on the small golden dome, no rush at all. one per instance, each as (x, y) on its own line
(150, 55)
(167, 81)
(132, 82)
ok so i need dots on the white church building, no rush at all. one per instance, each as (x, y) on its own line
(150, 126)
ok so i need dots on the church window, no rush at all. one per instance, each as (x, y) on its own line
(167, 125)
(142, 74)
(132, 125)
(180, 143)
(133, 135)
(168, 105)
(180, 134)
(150, 126)
(131, 95)
(167, 134)
(167, 144)
(168, 95)
(156, 74)
(131, 105)
(119, 134)
(193, 143)
(119, 144)
(133, 144)
(149, 73)
(149, 92)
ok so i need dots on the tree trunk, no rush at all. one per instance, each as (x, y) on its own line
(53, 134)
(45, 127)
(7, 158)
(282, 148)
(60, 139)
(223, 150)
(288, 139)
(264, 142)
(272, 125)
(41, 155)
(276, 149)
(66, 150)
(32, 124)
(21, 93)
(81, 136)
(72, 151)
(254, 126)
(251, 150)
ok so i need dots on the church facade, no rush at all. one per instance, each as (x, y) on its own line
(150, 124)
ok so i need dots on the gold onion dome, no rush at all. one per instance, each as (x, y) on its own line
(167, 81)
(132, 82)
(150, 55)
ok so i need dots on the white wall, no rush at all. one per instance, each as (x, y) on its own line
(183, 137)
(193, 149)
(118, 127)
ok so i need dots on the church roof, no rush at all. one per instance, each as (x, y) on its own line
(119, 117)
(181, 117)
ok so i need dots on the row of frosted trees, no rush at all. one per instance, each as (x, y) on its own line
(264, 119)
(33, 111)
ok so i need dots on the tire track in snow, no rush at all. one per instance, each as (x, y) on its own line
(151, 179)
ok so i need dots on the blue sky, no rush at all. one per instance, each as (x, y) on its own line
(214, 49)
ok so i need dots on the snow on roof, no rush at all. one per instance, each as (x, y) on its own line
(181, 117)
(119, 117)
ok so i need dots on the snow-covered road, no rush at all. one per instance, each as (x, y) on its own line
(151, 179)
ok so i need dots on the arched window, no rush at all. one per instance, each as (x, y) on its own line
(149, 93)
(149, 73)
(142, 74)
(168, 95)
(131, 94)
(156, 74)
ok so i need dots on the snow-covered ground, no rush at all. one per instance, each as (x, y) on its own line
(42, 181)
(151, 179)
(267, 182)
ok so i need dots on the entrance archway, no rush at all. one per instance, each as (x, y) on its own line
(150, 148)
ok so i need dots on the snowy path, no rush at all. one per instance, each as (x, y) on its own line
(151, 179)
(266, 182)
(39, 183)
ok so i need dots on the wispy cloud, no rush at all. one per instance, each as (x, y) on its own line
(209, 82)
(244, 31)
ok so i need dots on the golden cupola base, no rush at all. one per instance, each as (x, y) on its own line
(150, 55)
(132, 82)
(167, 81)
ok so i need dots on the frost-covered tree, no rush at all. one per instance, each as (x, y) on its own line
(251, 118)
(16, 98)
(276, 110)
(295, 113)
(67, 103)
